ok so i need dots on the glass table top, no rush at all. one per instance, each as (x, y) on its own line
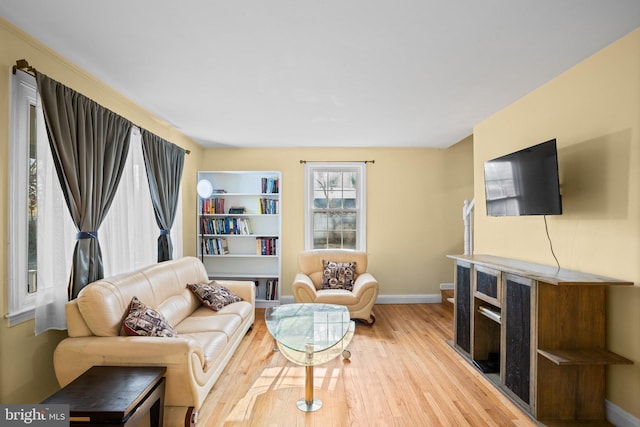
(309, 327)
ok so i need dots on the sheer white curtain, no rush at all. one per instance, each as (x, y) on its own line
(56, 238)
(128, 235)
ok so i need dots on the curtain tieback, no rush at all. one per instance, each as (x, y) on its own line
(165, 232)
(87, 235)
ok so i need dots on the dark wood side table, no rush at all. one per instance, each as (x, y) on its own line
(114, 395)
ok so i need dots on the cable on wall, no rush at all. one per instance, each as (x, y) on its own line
(546, 227)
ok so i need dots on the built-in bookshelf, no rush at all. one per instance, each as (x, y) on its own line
(239, 229)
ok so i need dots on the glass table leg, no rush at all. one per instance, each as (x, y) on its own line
(309, 403)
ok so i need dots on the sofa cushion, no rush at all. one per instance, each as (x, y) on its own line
(243, 309)
(338, 275)
(145, 321)
(212, 295)
(336, 296)
(205, 320)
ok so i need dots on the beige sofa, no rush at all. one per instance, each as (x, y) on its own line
(194, 359)
(307, 285)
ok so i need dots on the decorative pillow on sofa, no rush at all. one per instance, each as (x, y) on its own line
(338, 275)
(213, 295)
(145, 321)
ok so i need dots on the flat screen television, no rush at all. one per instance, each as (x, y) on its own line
(525, 182)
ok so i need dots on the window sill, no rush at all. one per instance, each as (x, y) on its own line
(21, 316)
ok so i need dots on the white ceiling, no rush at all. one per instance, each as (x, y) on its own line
(336, 73)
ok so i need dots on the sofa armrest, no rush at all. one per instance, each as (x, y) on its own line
(182, 356)
(304, 291)
(245, 289)
(364, 282)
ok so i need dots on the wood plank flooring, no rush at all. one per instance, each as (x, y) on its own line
(402, 373)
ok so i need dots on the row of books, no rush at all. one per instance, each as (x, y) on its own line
(271, 289)
(270, 185)
(269, 206)
(214, 205)
(220, 246)
(215, 246)
(225, 226)
(266, 245)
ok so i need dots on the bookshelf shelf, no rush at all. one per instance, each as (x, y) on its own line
(239, 229)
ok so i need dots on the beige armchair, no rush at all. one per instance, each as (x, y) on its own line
(307, 286)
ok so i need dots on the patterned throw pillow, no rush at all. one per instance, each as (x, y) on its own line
(338, 275)
(212, 295)
(146, 321)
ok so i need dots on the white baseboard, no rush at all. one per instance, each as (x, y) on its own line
(390, 299)
(619, 417)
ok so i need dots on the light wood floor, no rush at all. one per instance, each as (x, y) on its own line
(401, 373)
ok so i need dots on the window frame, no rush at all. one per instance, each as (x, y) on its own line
(361, 225)
(21, 304)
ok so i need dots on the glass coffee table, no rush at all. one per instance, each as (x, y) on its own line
(309, 335)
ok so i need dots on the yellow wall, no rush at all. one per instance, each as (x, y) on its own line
(414, 202)
(26, 368)
(594, 112)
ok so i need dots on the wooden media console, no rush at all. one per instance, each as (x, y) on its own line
(538, 332)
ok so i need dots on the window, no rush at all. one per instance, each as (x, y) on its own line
(23, 211)
(40, 223)
(335, 206)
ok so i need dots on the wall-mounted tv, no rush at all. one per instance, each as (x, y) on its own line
(524, 183)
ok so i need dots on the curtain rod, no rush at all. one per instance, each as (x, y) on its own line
(23, 65)
(338, 161)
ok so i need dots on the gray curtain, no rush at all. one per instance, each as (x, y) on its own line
(89, 145)
(164, 162)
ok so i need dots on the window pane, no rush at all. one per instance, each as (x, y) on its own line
(335, 241)
(320, 239)
(335, 190)
(349, 240)
(320, 221)
(320, 190)
(32, 212)
(349, 221)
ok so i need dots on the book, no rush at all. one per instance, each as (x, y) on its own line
(224, 246)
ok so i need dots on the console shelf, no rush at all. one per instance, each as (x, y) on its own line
(547, 327)
(584, 357)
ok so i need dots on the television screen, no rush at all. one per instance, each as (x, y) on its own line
(524, 183)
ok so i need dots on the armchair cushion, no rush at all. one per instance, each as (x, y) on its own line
(338, 275)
